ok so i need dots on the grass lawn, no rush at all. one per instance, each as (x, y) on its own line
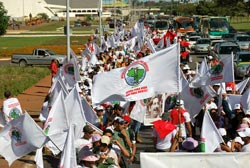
(17, 79)
(10, 45)
(244, 26)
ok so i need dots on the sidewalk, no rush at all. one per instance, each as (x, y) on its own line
(31, 100)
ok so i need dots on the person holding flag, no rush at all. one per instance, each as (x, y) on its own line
(184, 122)
(163, 133)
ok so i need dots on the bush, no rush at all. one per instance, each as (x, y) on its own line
(44, 16)
(4, 20)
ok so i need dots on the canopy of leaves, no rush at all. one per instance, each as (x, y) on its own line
(4, 19)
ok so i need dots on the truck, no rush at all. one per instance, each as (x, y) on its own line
(40, 56)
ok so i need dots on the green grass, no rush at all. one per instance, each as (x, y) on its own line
(14, 42)
(54, 26)
(241, 26)
(17, 79)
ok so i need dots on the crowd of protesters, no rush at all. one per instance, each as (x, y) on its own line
(115, 146)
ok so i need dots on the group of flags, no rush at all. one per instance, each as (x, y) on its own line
(146, 77)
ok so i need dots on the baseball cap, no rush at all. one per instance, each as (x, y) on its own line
(99, 108)
(247, 112)
(244, 133)
(237, 107)
(88, 129)
(96, 137)
(229, 89)
(105, 140)
(119, 120)
(239, 140)
(126, 118)
(179, 102)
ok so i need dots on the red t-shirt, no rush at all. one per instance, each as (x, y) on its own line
(174, 115)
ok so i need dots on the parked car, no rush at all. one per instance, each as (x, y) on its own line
(243, 40)
(201, 45)
(228, 37)
(39, 56)
(225, 49)
(242, 64)
(192, 41)
(211, 46)
(191, 34)
(77, 24)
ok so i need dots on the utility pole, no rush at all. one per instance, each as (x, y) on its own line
(68, 31)
(100, 19)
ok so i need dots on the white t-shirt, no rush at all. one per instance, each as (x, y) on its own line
(246, 148)
(11, 108)
(164, 143)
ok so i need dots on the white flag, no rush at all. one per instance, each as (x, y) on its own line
(89, 113)
(56, 125)
(195, 98)
(57, 87)
(144, 78)
(151, 45)
(2, 121)
(233, 99)
(241, 86)
(245, 100)
(68, 157)
(39, 158)
(74, 60)
(160, 44)
(210, 134)
(68, 75)
(20, 137)
(219, 73)
(75, 112)
(139, 110)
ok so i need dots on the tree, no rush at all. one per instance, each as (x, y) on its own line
(4, 19)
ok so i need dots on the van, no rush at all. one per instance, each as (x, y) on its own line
(226, 48)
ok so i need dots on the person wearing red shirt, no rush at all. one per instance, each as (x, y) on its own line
(54, 69)
(184, 121)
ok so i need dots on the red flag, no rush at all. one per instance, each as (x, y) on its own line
(163, 128)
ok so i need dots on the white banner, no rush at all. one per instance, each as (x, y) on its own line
(157, 73)
(194, 160)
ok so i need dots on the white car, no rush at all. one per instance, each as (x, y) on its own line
(192, 41)
(201, 45)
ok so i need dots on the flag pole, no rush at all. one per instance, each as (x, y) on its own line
(234, 91)
(178, 90)
(68, 31)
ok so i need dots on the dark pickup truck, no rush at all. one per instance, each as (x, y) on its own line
(38, 57)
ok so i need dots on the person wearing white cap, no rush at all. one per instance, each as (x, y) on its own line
(245, 135)
(239, 115)
(185, 122)
(211, 105)
(236, 144)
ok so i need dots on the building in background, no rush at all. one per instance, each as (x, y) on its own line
(24, 8)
